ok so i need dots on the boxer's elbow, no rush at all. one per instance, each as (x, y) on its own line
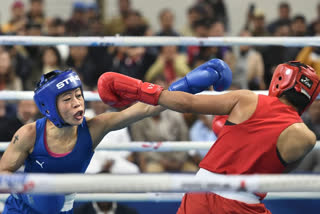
(3, 172)
(4, 169)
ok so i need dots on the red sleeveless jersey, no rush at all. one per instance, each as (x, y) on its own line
(250, 147)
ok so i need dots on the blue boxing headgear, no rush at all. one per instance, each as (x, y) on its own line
(49, 87)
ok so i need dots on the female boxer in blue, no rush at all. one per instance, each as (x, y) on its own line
(61, 142)
(64, 140)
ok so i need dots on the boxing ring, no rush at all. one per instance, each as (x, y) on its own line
(153, 187)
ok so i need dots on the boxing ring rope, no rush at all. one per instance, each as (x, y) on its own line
(170, 197)
(139, 183)
(28, 95)
(159, 41)
(88, 95)
(136, 146)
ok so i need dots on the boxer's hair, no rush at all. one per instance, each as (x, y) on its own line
(299, 100)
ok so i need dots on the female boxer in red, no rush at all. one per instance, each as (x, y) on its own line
(263, 134)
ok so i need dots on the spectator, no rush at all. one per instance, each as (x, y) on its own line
(216, 29)
(117, 24)
(219, 12)
(33, 52)
(93, 11)
(8, 78)
(259, 27)
(21, 64)
(311, 28)
(312, 117)
(200, 28)
(36, 13)
(274, 55)
(96, 27)
(7, 131)
(195, 13)
(298, 28)
(136, 25)
(133, 61)
(27, 112)
(201, 130)
(12, 119)
(50, 60)
(170, 64)
(166, 18)
(77, 24)
(248, 25)
(310, 56)
(18, 18)
(249, 67)
(283, 17)
(56, 27)
(80, 60)
(316, 28)
(167, 126)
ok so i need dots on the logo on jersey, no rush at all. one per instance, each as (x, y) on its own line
(67, 81)
(306, 81)
(40, 164)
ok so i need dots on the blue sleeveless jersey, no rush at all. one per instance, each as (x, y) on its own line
(77, 161)
(40, 161)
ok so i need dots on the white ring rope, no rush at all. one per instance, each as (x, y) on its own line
(138, 183)
(159, 41)
(170, 197)
(136, 146)
(88, 95)
(28, 95)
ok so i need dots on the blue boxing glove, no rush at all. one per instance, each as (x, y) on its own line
(214, 72)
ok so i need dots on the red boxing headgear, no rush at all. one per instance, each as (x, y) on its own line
(295, 75)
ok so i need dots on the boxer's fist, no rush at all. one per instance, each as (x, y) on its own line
(119, 90)
(218, 123)
(214, 73)
(108, 94)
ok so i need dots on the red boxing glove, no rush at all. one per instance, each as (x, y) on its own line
(218, 123)
(120, 90)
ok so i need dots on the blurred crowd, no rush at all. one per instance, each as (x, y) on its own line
(22, 66)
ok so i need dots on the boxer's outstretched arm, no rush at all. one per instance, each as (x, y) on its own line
(138, 111)
(18, 150)
(119, 90)
(222, 104)
(102, 124)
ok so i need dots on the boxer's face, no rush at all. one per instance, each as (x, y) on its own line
(71, 108)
